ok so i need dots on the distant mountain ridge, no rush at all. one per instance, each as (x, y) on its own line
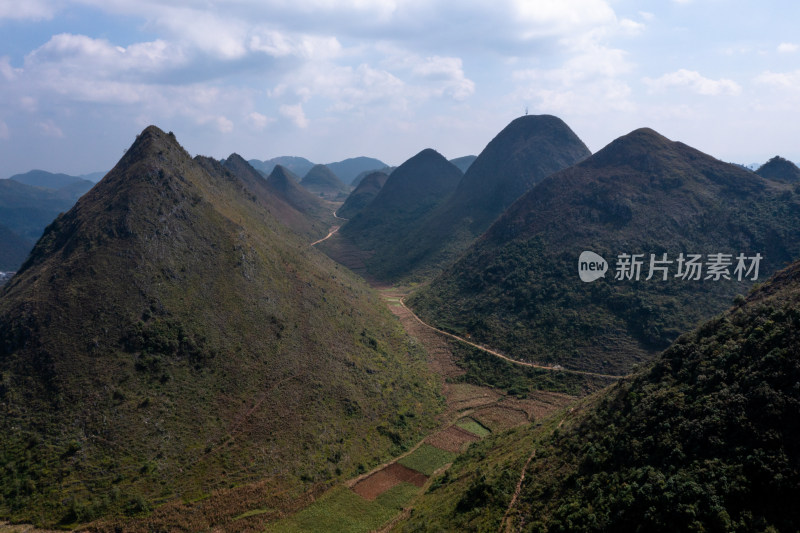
(322, 181)
(349, 169)
(49, 180)
(297, 165)
(517, 288)
(346, 170)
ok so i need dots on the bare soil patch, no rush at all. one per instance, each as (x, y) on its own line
(379, 482)
(500, 417)
(452, 439)
(541, 405)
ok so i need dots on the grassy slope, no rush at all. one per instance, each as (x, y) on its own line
(700, 441)
(517, 288)
(168, 338)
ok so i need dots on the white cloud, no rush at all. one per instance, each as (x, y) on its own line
(50, 129)
(780, 80)
(5, 134)
(631, 27)
(6, 70)
(29, 104)
(81, 56)
(788, 48)
(695, 82)
(257, 120)
(224, 125)
(294, 113)
(27, 9)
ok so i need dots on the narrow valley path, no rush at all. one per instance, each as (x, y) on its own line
(501, 356)
(332, 231)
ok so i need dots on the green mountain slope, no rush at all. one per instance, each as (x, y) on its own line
(700, 441)
(362, 195)
(168, 338)
(410, 193)
(518, 289)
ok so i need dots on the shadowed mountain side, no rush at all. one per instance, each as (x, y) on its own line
(13, 249)
(780, 169)
(362, 195)
(463, 163)
(168, 337)
(699, 441)
(410, 193)
(517, 288)
(26, 210)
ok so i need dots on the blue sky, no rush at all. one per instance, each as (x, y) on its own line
(331, 79)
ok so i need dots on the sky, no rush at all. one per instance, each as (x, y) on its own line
(332, 79)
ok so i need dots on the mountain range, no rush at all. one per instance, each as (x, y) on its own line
(518, 287)
(346, 170)
(176, 354)
(522, 154)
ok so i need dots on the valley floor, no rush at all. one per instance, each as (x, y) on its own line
(377, 500)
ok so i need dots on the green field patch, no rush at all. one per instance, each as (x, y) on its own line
(473, 426)
(342, 510)
(427, 459)
(398, 496)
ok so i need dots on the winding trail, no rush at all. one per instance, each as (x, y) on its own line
(509, 359)
(332, 231)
